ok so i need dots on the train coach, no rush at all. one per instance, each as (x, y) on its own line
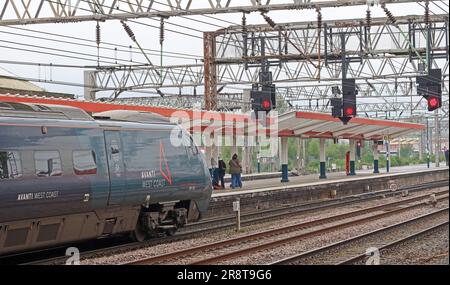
(67, 176)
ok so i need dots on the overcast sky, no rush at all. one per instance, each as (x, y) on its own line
(148, 37)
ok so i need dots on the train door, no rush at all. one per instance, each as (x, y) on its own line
(116, 167)
(195, 166)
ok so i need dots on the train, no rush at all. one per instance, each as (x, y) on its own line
(68, 176)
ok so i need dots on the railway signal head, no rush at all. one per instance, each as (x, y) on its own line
(430, 87)
(266, 105)
(349, 97)
(263, 100)
(433, 103)
(349, 111)
(358, 149)
(345, 108)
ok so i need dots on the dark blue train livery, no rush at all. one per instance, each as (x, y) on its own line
(67, 176)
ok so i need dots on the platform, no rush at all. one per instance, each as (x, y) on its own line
(254, 183)
(267, 193)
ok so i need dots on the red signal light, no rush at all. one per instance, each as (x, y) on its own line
(433, 103)
(266, 104)
(349, 111)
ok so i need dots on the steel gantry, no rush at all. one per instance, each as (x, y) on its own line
(21, 12)
(384, 54)
(226, 101)
(384, 67)
(306, 53)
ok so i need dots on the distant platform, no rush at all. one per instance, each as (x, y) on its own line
(259, 182)
(261, 194)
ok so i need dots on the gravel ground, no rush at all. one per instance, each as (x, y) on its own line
(431, 249)
(342, 253)
(280, 252)
(214, 237)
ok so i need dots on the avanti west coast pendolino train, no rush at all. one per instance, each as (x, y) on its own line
(66, 176)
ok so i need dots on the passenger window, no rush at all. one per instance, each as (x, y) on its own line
(48, 163)
(10, 165)
(188, 142)
(193, 147)
(84, 162)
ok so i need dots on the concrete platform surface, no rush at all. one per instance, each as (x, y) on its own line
(261, 184)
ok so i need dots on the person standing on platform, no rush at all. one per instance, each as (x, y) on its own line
(347, 163)
(222, 171)
(214, 174)
(235, 171)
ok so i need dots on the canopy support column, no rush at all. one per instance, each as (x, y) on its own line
(323, 159)
(284, 160)
(388, 156)
(352, 157)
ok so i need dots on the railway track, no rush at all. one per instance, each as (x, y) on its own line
(377, 213)
(264, 215)
(359, 259)
(345, 251)
(221, 223)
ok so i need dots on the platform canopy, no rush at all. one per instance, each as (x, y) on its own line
(293, 124)
(320, 125)
(98, 107)
(193, 120)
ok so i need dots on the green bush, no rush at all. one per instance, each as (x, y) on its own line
(335, 154)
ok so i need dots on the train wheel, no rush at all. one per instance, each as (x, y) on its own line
(139, 234)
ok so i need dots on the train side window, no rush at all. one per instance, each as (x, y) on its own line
(193, 146)
(188, 142)
(84, 162)
(47, 163)
(10, 165)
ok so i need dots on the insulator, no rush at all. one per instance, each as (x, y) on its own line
(128, 30)
(161, 32)
(427, 12)
(388, 13)
(131, 53)
(319, 19)
(244, 25)
(269, 20)
(368, 19)
(97, 34)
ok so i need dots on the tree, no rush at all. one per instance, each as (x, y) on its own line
(406, 151)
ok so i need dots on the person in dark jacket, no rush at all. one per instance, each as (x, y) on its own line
(235, 171)
(222, 170)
